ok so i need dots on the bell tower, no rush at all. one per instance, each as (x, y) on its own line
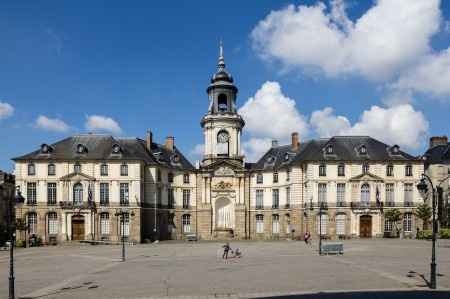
(222, 125)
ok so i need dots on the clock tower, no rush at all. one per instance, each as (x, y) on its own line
(222, 125)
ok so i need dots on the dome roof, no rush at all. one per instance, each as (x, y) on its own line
(221, 74)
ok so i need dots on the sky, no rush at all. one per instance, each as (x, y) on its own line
(321, 68)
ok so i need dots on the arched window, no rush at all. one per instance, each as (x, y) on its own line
(322, 224)
(51, 169)
(365, 168)
(275, 224)
(222, 103)
(407, 222)
(104, 224)
(259, 224)
(52, 223)
(32, 223)
(124, 169)
(341, 169)
(340, 224)
(365, 194)
(390, 170)
(223, 143)
(186, 219)
(77, 194)
(31, 169)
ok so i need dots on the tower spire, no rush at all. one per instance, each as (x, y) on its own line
(221, 64)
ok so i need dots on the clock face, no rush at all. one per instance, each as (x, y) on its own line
(223, 137)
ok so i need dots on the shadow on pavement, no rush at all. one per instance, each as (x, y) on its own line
(373, 294)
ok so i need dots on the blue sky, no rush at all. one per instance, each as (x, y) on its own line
(147, 65)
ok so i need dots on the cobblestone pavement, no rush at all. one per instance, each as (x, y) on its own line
(197, 269)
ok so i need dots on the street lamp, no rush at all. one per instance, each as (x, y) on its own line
(321, 206)
(7, 189)
(121, 214)
(423, 190)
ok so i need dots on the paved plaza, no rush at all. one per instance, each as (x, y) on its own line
(197, 269)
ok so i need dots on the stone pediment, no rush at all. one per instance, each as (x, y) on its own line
(77, 177)
(366, 177)
(224, 171)
(225, 167)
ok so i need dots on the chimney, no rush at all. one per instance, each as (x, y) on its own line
(170, 142)
(149, 140)
(274, 143)
(438, 140)
(295, 144)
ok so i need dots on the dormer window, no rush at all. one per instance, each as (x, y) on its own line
(116, 149)
(175, 158)
(31, 169)
(286, 157)
(45, 148)
(270, 159)
(395, 149)
(77, 168)
(81, 149)
(329, 150)
(363, 150)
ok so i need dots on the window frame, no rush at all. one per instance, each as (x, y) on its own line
(259, 178)
(322, 169)
(186, 199)
(275, 198)
(31, 169)
(186, 178)
(124, 194)
(259, 227)
(52, 223)
(31, 193)
(104, 194)
(322, 193)
(390, 170)
(51, 169)
(186, 223)
(124, 169)
(259, 199)
(104, 169)
(275, 177)
(32, 223)
(51, 193)
(341, 169)
(105, 224)
(275, 224)
(408, 170)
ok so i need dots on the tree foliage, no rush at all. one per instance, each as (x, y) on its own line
(424, 213)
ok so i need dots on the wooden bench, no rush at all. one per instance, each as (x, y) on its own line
(332, 248)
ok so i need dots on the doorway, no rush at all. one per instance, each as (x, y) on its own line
(77, 228)
(365, 226)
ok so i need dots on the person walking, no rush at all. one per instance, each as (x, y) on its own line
(307, 238)
(226, 248)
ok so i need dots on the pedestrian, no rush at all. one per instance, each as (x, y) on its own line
(226, 248)
(238, 253)
(306, 237)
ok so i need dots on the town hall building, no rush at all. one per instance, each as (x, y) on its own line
(99, 187)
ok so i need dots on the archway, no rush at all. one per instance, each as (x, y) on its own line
(77, 227)
(365, 226)
(224, 214)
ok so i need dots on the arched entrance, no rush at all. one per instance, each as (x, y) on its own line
(77, 227)
(224, 214)
(365, 226)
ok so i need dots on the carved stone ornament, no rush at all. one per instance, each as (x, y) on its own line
(223, 185)
(224, 171)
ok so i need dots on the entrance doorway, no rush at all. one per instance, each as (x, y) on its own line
(77, 228)
(365, 226)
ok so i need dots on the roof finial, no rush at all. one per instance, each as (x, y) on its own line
(221, 58)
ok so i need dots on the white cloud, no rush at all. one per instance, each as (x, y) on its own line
(51, 124)
(430, 76)
(102, 123)
(400, 124)
(198, 150)
(390, 36)
(6, 110)
(254, 148)
(271, 114)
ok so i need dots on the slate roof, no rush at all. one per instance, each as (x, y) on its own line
(439, 154)
(99, 147)
(345, 148)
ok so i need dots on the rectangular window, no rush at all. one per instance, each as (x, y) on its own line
(322, 170)
(51, 169)
(104, 194)
(259, 178)
(390, 195)
(341, 170)
(31, 169)
(125, 229)
(186, 223)
(52, 223)
(124, 194)
(408, 194)
(322, 224)
(275, 224)
(288, 197)
(104, 170)
(259, 224)
(408, 170)
(322, 195)
(51, 193)
(31, 193)
(340, 224)
(186, 178)
(77, 168)
(340, 194)
(104, 224)
(124, 170)
(390, 170)
(260, 199)
(32, 223)
(275, 199)
(171, 198)
(275, 177)
(407, 222)
(387, 226)
(186, 199)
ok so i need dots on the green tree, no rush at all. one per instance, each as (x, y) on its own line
(424, 213)
(394, 216)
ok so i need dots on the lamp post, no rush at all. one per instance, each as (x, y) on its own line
(122, 213)
(7, 189)
(320, 227)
